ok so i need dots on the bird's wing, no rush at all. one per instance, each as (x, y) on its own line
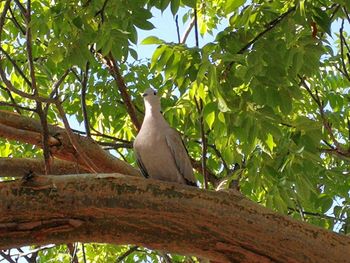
(140, 164)
(180, 155)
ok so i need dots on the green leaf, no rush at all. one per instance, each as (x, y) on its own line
(174, 6)
(152, 40)
(269, 142)
(232, 5)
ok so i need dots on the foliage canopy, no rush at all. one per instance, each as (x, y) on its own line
(270, 95)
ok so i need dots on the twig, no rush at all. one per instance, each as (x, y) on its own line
(320, 105)
(130, 108)
(196, 27)
(187, 32)
(127, 253)
(84, 254)
(342, 41)
(21, 93)
(3, 16)
(21, 7)
(14, 20)
(346, 14)
(21, 254)
(58, 83)
(101, 11)
(204, 141)
(72, 249)
(16, 106)
(18, 69)
(83, 100)
(268, 28)
(177, 28)
(116, 145)
(88, 162)
(29, 259)
(7, 257)
(98, 133)
(12, 99)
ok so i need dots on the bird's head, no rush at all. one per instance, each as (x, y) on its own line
(151, 99)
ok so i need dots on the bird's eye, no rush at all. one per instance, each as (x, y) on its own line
(144, 94)
(155, 92)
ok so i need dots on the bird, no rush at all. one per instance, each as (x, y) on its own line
(159, 150)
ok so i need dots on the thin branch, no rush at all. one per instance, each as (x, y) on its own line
(83, 100)
(3, 16)
(21, 254)
(127, 253)
(342, 43)
(187, 32)
(101, 11)
(21, 7)
(98, 133)
(22, 93)
(177, 28)
(203, 141)
(39, 106)
(16, 106)
(324, 119)
(346, 14)
(88, 162)
(196, 27)
(18, 69)
(72, 249)
(116, 145)
(84, 254)
(14, 20)
(271, 25)
(12, 99)
(114, 70)
(7, 257)
(57, 84)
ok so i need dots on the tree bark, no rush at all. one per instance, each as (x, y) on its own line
(28, 130)
(19, 167)
(113, 208)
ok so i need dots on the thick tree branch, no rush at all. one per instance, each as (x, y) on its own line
(19, 167)
(221, 226)
(27, 130)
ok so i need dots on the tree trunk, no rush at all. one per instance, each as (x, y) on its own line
(113, 208)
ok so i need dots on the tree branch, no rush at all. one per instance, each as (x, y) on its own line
(27, 130)
(114, 70)
(268, 28)
(324, 119)
(88, 162)
(203, 141)
(18, 167)
(18, 69)
(83, 100)
(113, 208)
(187, 31)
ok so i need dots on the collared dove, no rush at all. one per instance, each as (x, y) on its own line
(159, 150)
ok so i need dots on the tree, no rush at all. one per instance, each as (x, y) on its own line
(263, 111)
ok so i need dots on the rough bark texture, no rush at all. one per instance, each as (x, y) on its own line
(221, 226)
(27, 130)
(19, 167)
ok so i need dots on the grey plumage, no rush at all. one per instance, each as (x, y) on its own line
(159, 149)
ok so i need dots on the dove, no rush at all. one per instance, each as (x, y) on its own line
(159, 149)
